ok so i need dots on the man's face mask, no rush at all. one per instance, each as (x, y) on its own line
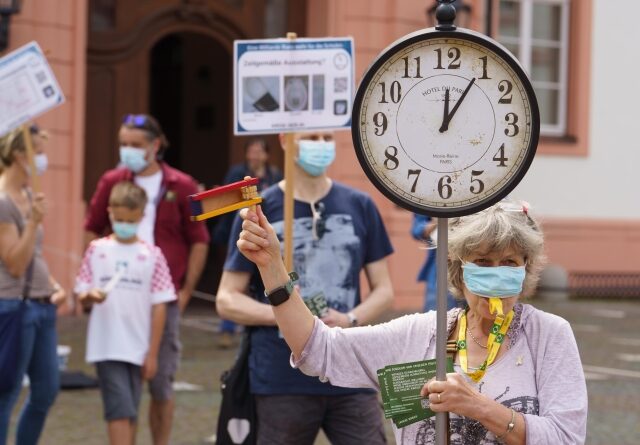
(314, 157)
(135, 159)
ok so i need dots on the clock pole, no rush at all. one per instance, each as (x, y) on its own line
(442, 252)
(445, 15)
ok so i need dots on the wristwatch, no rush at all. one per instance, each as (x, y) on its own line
(353, 320)
(281, 294)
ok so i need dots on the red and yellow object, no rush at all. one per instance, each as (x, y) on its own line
(225, 199)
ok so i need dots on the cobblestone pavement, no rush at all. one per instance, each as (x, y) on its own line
(608, 335)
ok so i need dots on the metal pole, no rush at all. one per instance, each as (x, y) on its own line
(442, 252)
(488, 10)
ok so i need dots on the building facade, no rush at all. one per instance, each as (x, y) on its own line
(172, 58)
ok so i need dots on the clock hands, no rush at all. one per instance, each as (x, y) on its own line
(445, 117)
(448, 116)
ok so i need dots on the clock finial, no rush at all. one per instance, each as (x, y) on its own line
(445, 14)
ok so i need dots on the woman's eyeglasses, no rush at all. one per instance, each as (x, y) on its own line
(318, 223)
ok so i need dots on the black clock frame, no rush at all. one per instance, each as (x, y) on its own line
(420, 36)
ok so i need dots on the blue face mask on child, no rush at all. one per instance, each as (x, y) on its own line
(133, 158)
(500, 281)
(124, 230)
(315, 156)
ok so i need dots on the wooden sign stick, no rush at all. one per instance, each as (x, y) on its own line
(289, 180)
(28, 142)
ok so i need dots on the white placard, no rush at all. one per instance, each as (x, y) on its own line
(283, 85)
(28, 87)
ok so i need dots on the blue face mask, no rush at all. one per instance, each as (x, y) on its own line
(315, 156)
(42, 162)
(500, 281)
(133, 158)
(124, 230)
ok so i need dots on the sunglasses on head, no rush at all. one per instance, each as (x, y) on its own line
(135, 120)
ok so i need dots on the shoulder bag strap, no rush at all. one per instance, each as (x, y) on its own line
(28, 278)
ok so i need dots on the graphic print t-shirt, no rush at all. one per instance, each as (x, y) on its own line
(120, 327)
(351, 234)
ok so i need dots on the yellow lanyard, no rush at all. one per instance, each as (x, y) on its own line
(496, 337)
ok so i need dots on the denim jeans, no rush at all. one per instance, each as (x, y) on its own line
(38, 359)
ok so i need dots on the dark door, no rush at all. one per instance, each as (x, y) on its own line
(189, 84)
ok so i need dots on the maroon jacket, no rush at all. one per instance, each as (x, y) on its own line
(174, 232)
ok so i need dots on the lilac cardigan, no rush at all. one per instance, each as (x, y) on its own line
(540, 375)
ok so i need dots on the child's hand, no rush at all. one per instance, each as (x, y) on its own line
(149, 367)
(258, 241)
(93, 296)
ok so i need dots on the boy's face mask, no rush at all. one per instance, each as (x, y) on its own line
(124, 230)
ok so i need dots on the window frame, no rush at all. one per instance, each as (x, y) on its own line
(526, 42)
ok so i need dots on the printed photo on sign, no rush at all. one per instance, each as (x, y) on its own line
(261, 94)
(296, 93)
(318, 92)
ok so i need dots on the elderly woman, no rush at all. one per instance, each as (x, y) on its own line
(26, 290)
(518, 378)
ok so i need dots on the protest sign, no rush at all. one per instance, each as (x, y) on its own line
(283, 85)
(28, 87)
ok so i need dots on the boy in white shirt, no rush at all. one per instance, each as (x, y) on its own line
(130, 281)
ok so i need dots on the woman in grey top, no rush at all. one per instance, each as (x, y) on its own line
(518, 378)
(21, 218)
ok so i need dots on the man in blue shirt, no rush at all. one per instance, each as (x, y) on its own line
(337, 233)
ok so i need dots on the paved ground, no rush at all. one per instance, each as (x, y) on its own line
(608, 336)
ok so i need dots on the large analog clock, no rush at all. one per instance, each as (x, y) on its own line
(445, 122)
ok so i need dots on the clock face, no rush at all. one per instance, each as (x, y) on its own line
(445, 123)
